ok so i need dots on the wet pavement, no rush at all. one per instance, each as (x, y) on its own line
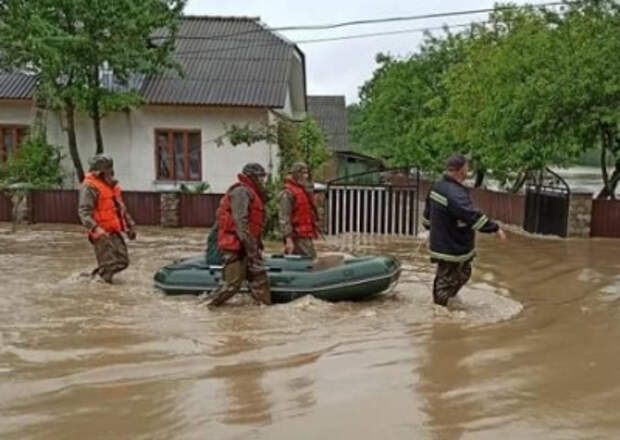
(532, 352)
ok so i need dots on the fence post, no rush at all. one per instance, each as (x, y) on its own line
(170, 209)
(580, 214)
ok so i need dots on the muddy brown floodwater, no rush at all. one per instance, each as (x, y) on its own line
(534, 352)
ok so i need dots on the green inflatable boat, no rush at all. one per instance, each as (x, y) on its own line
(330, 278)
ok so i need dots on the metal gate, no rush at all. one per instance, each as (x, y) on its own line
(377, 202)
(546, 205)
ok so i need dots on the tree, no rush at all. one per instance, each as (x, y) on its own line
(398, 115)
(591, 30)
(536, 87)
(502, 94)
(124, 39)
(297, 141)
(302, 141)
(39, 36)
(36, 164)
(529, 89)
(65, 42)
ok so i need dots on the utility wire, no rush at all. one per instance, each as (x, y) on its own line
(324, 40)
(361, 22)
(386, 33)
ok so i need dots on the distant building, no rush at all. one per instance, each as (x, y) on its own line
(171, 139)
(331, 114)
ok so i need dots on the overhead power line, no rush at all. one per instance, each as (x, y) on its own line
(406, 18)
(386, 33)
(362, 22)
(323, 40)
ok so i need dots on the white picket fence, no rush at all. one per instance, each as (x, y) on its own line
(381, 210)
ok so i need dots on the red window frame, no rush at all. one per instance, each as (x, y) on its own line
(169, 133)
(18, 133)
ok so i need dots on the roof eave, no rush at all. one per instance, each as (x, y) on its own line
(18, 99)
(218, 105)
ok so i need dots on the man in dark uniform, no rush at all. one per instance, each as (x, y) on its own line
(102, 211)
(298, 215)
(240, 221)
(453, 221)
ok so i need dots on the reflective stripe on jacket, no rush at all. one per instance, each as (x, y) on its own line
(453, 221)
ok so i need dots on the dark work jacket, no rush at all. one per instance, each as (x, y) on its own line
(453, 221)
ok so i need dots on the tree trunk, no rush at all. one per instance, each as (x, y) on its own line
(605, 190)
(616, 177)
(519, 182)
(96, 115)
(72, 139)
(480, 175)
(95, 109)
(39, 123)
(609, 183)
(609, 192)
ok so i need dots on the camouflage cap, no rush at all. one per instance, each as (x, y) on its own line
(298, 167)
(254, 169)
(100, 162)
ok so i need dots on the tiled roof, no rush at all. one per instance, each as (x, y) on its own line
(17, 86)
(331, 114)
(226, 61)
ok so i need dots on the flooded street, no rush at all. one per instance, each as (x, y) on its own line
(534, 352)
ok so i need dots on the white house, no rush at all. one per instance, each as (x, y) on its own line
(235, 72)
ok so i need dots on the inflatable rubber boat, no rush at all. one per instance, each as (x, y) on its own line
(329, 278)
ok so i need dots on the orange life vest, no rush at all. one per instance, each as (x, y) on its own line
(227, 238)
(303, 216)
(106, 212)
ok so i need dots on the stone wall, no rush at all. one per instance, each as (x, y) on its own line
(170, 212)
(580, 214)
(22, 207)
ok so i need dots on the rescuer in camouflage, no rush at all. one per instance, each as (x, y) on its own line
(102, 211)
(240, 220)
(297, 213)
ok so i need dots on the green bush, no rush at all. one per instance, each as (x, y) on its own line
(297, 141)
(197, 188)
(272, 190)
(36, 164)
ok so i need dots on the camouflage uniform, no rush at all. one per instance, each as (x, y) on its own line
(303, 246)
(248, 265)
(111, 250)
(449, 279)
(237, 269)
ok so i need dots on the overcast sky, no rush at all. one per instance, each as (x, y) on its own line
(341, 67)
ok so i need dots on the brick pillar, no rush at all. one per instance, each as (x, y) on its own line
(170, 209)
(580, 214)
(21, 201)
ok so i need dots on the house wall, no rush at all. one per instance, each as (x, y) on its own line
(288, 104)
(129, 137)
(297, 88)
(16, 112)
(339, 165)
